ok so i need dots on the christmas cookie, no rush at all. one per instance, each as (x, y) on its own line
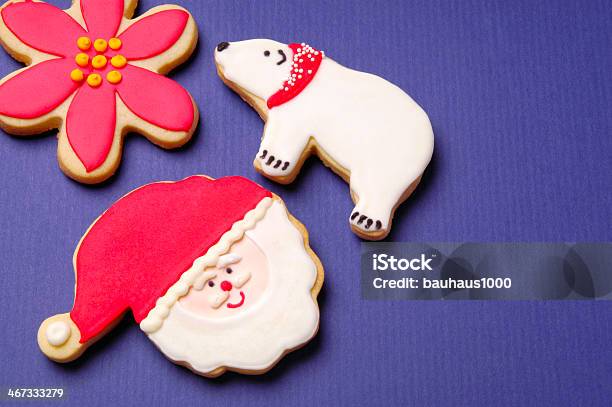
(217, 273)
(366, 129)
(95, 74)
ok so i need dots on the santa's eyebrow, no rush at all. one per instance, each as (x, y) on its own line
(227, 259)
(199, 283)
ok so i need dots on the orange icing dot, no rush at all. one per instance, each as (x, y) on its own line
(94, 80)
(118, 61)
(82, 59)
(114, 43)
(99, 61)
(84, 43)
(77, 75)
(100, 45)
(114, 77)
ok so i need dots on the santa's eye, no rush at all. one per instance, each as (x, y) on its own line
(211, 283)
(267, 53)
(229, 270)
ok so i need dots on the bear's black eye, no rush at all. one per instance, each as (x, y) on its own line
(229, 270)
(267, 53)
(211, 283)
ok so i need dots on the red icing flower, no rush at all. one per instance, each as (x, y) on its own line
(104, 66)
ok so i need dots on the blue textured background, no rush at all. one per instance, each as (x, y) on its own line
(520, 96)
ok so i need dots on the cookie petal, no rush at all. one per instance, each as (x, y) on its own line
(156, 99)
(43, 27)
(102, 17)
(153, 34)
(37, 90)
(90, 124)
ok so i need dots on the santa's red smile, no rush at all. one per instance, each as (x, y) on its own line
(239, 304)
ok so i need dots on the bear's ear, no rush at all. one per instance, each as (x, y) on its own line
(283, 57)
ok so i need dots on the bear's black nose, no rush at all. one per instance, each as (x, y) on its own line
(222, 45)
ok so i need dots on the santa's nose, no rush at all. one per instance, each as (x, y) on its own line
(226, 285)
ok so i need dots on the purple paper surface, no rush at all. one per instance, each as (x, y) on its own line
(520, 97)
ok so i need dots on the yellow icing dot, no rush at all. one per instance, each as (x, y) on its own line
(84, 43)
(94, 80)
(100, 45)
(99, 61)
(114, 77)
(118, 61)
(82, 59)
(77, 75)
(114, 43)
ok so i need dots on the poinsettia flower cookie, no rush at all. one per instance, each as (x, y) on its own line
(218, 274)
(96, 74)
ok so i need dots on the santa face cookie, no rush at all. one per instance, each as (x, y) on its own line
(217, 273)
(366, 129)
(95, 74)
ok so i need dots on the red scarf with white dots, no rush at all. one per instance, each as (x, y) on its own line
(306, 62)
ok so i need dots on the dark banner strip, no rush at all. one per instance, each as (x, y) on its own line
(486, 271)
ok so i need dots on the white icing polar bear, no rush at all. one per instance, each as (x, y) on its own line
(365, 128)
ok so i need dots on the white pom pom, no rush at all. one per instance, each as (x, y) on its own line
(58, 333)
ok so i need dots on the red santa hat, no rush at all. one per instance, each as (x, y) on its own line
(143, 243)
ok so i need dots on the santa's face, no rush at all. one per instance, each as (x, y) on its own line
(233, 286)
(258, 307)
(259, 66)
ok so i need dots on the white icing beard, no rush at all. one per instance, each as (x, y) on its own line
(282, 319)
(245, 64)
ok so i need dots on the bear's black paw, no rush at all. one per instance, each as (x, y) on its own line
(365, 222)
(272, 161)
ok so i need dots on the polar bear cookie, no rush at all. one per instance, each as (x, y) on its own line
(95, 74)
(217, 273)
(366, 129)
